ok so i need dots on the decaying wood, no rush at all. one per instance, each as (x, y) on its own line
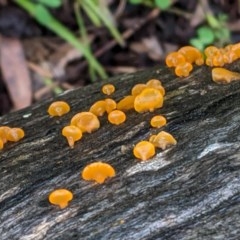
(189, 191)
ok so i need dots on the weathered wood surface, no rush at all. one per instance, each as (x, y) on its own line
(190, 191)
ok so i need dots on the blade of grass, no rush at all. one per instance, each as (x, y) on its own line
(106, 19)
(93, 17)
(84, 35)
(49, 82)
(43, 16)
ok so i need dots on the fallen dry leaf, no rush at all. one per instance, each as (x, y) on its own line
(15, 72)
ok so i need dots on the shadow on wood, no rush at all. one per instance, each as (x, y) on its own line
(189, 191)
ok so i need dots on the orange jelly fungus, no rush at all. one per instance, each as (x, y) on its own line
(58, 108)
(153, 83)
(15, 134)
(117, 117)
(60, 197)
(98, 108)
(110, 105)
(108, 89)
(144, 150)
(72, 133)
(148, 100)
(211, 51)
(137, 89)
(1, 144)
(158, 121)
(174, 58)
(3, 133)
(98, 171)
(126, 103)
(222, 75)
(183, 69)
(162, 140)
(192, 55)
(86, 121)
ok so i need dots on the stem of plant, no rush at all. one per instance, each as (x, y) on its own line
(42, 15)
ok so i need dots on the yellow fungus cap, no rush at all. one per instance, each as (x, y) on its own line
(117, 117)
(137, 89)
(158, 121)
(98, 108)
(86, 121)
(192, 54)
(3, 133)
(58, 108)
(98, 171)
(126, 103)
(222, 75)
(108, 89)
(110, 105)
(153, 83)
(15, 134)
(144, 150)
(148, 100)
(163, 140)
(60, 197)
(72, 133)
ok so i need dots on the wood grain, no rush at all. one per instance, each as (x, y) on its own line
(189, 191)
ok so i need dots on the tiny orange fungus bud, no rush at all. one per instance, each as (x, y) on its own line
(162, 140)
(158, 121)
(15, 134)
(222, 75)
(60, 197)
(98, 108)
(72, 133)
(116, 117)
(98, 171)
(86, 121)
(108, 89)
(58, 108)
(148, 100)
(110, 105)
(144, 150)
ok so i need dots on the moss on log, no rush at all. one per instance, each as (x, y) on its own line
(189, 191)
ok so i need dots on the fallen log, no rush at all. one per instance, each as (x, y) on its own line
(189, 191)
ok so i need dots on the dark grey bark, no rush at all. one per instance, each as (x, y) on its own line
(189, 191)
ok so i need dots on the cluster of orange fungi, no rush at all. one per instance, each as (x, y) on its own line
(143, 97)
(183, 60)
(8, 134)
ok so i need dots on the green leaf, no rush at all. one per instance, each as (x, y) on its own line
(213, 21)
(222, 18)
(93, 17)
(163, 4)
(197, 43)
(51, 3)
(206, 35)
(223, 33)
